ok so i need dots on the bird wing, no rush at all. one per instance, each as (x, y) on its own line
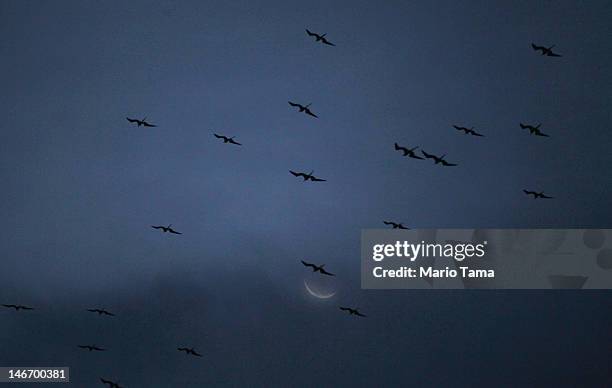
(545, 196)
(308, 264)
(400, 226)
(10, 305)
(551, 54)
(359, 314)
(131, 120)
(327, 42)
(474, 133)
(315, 179)
(428, 156)
(536, 48)
(310, 33)
(398, 147)
(345, 309)
(324, 272)
(445, 163)
(234, 142)
(523, 126)
(196, 353)
(308, 112)
(107, 313)
(157, 227)
(415, 156)
(459, 128)
(388, 223)
(297, 174)
(148, 125)
(218, 136)
(529, 192)
(84, 346)
(538, 133)
(293, 104)
(173, 231)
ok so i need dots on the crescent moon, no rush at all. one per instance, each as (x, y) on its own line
(317, 295)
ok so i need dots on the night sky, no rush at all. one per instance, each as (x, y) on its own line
(81, 187)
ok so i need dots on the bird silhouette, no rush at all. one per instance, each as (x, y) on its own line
(316, 268)
(307, 176)
(438, 160)
(17, 307)
(110, 383)
(190, 351)
(395, 225)
(142, 122)
(101, 312)
(545, 50)
(166, 229)
(92, 348)
(468, 131)
(533, 130)
(407, 152)
(227, 139)
(320, 38)
(303, 108)
(537, 195)
(352, 311)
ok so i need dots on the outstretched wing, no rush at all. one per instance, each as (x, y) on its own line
(551, 54)
(173, 231)
(148, 125)
(108, 313)
(308, 112)
(157, 227)
(310, 33)
(234, 142)
(359, 314)
(297, 174)
(536, 48)
(474, 133)
(538, 133)
(529, 192)
(345, 308)
(327, 42)
(415, 156)
(294, 104)
(324, 272)
(399, 147)
(315, 179)
(388, 223)
(196, 353)
(308, 264)
(445, 163)
(523, 126)
(545, 196)
(459, 128)
(218, 136)
(131, 120)
(400, 226)
(428, 156)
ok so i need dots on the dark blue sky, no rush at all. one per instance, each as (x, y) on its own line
(80, 186)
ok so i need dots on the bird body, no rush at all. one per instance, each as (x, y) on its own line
(319, 38)
(352, 311)
(395, 225)
(17, 307)
(142, 122)
(307, 177)
(189, 351)
(111, 384)
(316, 268)
(437, 160)
(227, 139)
(92, 348)
(545, 50)
(303, 108)
(101, 312)
(537, 195)
(533, 130)
(166, 229)
(407, 151)
(468, 131)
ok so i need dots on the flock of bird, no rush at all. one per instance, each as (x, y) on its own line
(409, 152)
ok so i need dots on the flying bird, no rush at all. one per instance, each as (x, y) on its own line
(545, 50)
(317, 268)
(111, 384)
(537, 195)
(320, 38)
(142, 122)
(395, 225)
(533, 130)
(227, 139)
(307, 176)
(166, 229)
(92, 348)
(352, 311)
(190, 351)
(101, 312)
(407, 152)
(17, 307)
(303, 108)
(438, 160)
(468, 131)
